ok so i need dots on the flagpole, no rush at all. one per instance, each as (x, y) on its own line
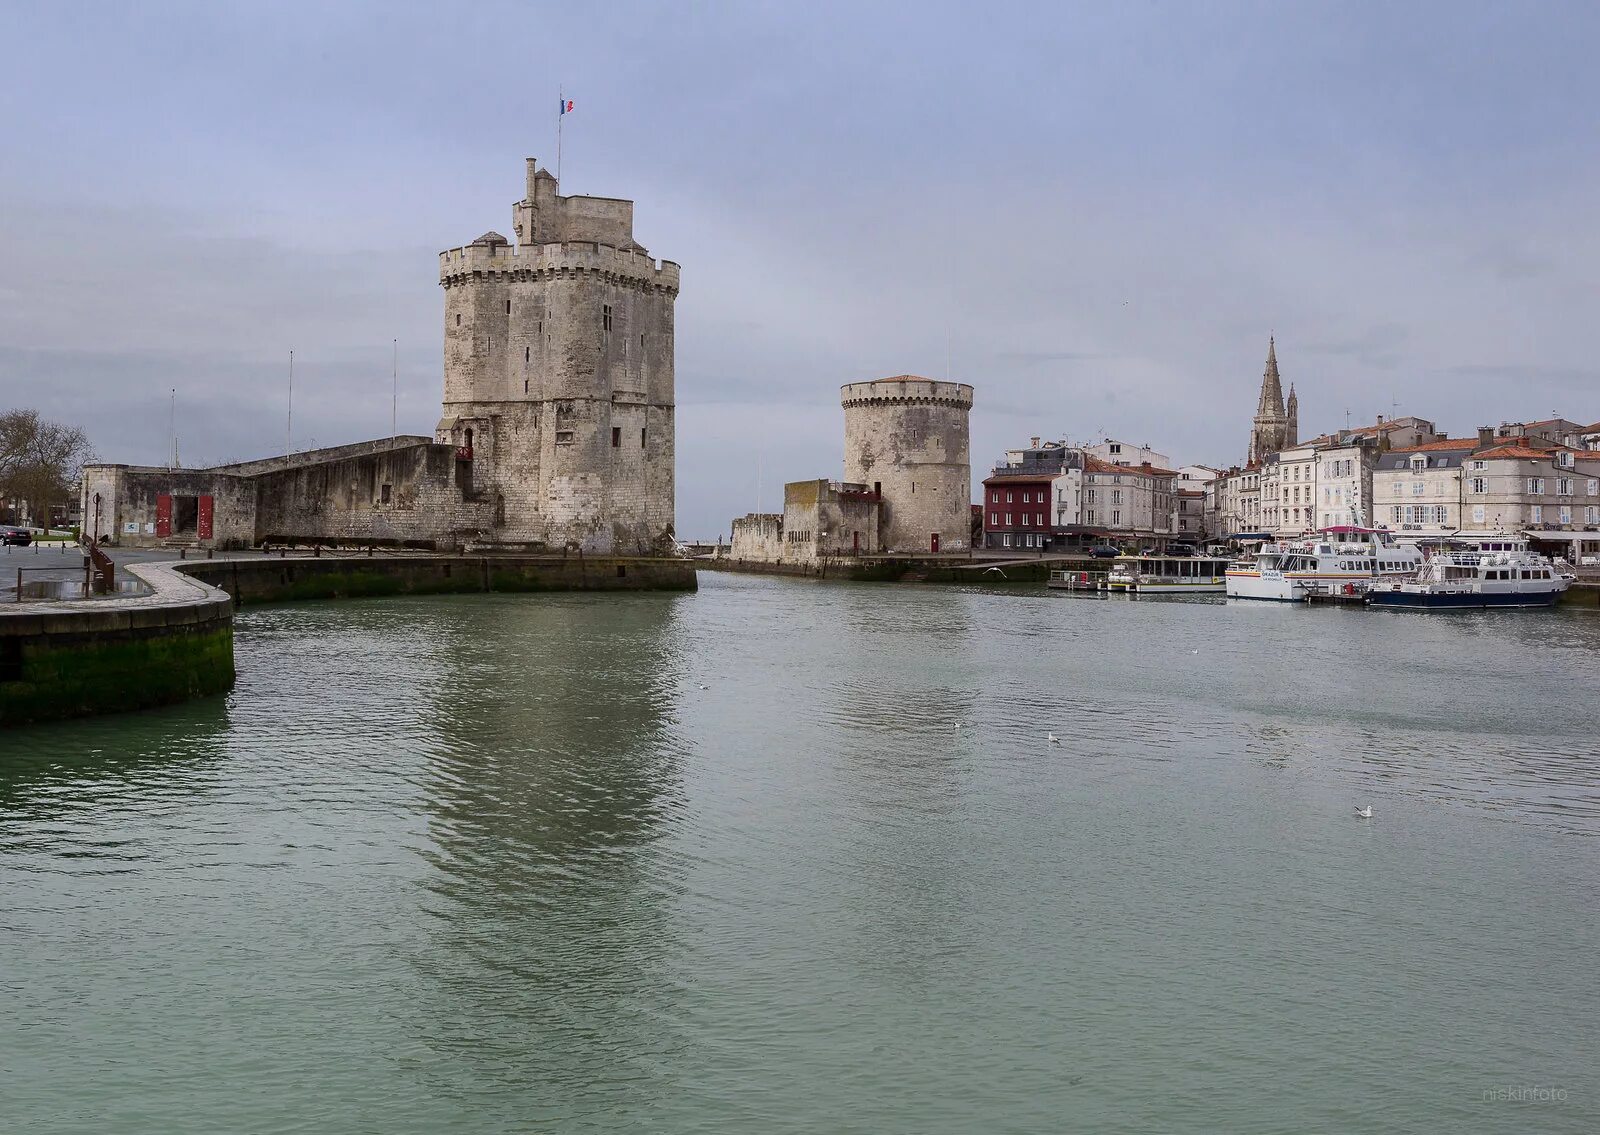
(561, 115)
(288, 435)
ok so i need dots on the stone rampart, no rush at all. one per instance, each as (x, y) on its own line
(758, 536)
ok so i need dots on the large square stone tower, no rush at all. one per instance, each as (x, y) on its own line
(558, 376)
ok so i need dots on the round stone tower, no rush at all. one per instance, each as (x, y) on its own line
(906, 438)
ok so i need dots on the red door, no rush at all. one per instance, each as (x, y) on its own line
(203, 518)
(164, 515)
(935, 541)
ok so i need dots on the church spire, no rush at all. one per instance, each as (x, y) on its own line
(1273, 423)
(1271, 402)
(1291, 429)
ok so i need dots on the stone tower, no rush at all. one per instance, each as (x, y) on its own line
(558, 376)
(1270, 431)
(906, 437)
(1291, 429)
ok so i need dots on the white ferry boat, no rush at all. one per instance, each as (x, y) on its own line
(1455, 579)
(1167, 575)
(1344, 559)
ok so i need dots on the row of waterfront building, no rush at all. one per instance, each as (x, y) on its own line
(906, 475)
(1400, 473)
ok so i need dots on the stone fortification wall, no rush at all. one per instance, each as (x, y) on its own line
(758, 537)
(315, 456)
(411, 494)
(559, 375)
(824, 519)
(907, 437)
(416, 493)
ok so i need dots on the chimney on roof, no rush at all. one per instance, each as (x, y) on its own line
(1033, 443)
(1380, 419)
(1485, 437)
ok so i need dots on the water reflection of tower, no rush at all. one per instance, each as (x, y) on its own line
(557, 770)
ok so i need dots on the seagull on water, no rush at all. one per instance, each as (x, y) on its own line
(1365, 813)
(1052, 738)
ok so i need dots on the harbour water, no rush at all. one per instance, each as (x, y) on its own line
(723, 862)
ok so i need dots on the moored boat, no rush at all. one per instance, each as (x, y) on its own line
(1456, 580)
(1167, 575)
(1344, 559)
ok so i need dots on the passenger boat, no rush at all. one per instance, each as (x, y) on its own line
(1167, 575)
(1456, 579)
(1344, 559)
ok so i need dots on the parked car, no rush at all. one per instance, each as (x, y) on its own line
(9, 534)
(1105, 551)
(1180, 549)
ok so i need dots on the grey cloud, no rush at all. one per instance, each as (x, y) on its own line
(1079, 213)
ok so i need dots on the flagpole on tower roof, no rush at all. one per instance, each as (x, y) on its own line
(561, 115)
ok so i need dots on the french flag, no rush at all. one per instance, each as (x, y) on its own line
(566, 106)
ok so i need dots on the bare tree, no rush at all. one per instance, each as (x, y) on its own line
(40, 462)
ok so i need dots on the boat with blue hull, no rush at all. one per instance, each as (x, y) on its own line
(1473, 580)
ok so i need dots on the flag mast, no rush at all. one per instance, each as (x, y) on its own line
(561, 114)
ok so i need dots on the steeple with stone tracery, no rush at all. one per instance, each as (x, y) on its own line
(1275, 425)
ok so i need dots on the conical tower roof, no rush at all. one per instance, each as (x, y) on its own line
(1271, 403)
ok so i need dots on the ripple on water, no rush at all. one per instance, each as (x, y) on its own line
(489, 863)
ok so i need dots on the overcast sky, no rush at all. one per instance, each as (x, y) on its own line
(1094, 214)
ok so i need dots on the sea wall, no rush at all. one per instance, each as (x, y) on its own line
(72, 659)
(269, 580)
(89, 656)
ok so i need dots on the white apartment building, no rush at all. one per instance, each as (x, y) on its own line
(1238, 497)
(1289, 490)
(1194, 511)
(1344, 484)
(1115, 452)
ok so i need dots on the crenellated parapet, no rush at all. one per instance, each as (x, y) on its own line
(907, 390)
(574, 259)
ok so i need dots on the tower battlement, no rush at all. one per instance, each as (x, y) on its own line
(906, 389)
(484, 258)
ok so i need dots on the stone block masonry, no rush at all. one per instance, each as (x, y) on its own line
(559, 385)
(906, 439)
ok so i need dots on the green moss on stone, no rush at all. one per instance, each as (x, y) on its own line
(92, 674)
